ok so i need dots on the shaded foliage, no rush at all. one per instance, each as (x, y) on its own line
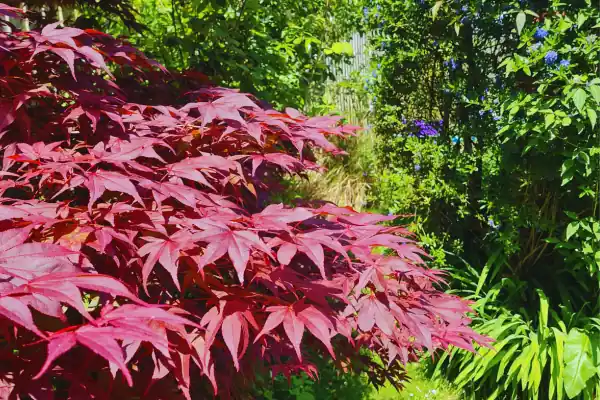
(507, 182)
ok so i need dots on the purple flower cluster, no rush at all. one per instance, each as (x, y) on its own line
(425, 129)
(540, 34)
(550, 57)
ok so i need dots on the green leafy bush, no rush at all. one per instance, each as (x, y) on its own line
(487, 114)
(277, 50)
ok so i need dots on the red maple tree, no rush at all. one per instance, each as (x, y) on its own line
(139, 254)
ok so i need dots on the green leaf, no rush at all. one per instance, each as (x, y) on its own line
(557, 363)
(543, 323)
(436, 8)
(506, 358)
(579, 98)
(595, 91)
(578, 363)
(571, 214)
(342, 48)
(581, 18)
(485, 272)
(521, 18)
(592, 116)
(525, 369)
(572, 229)
(532, 13)
(549, 119)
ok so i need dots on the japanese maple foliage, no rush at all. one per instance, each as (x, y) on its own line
(139, 254)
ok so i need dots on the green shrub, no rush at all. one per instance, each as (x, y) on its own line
(487, 115)
(278, 50)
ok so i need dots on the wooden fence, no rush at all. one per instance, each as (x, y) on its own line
(341, 91)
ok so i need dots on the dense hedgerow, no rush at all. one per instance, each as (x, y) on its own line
(139, 254)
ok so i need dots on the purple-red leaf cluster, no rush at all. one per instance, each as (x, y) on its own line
(140, 256)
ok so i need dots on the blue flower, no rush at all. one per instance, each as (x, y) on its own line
(378, 66)
(540, 34)
(481, 112)
(378, 7)
(435, 42)
(425, 129)
(492, 224)
(417, 167)
(465, 8)
(473, 139)
(565, 63)
(453, 64)
(535, 47)
(366, 11)
(374, 74)
(550, 57)
(455, 139)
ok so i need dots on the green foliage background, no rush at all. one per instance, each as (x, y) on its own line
(506, 196)
(275, 49)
